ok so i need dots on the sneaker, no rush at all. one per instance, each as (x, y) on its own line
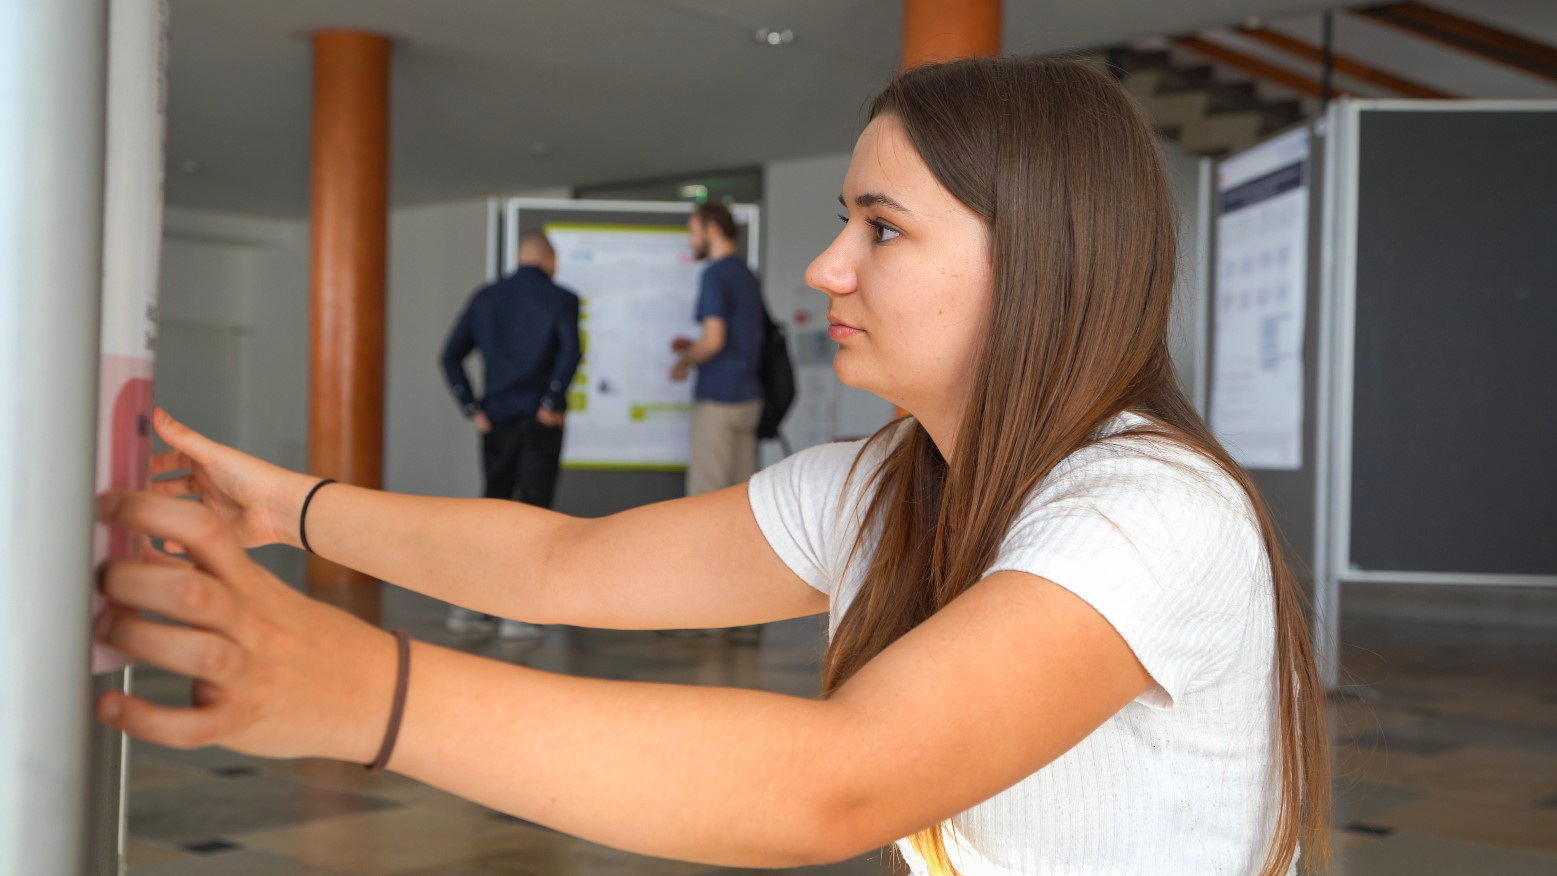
(512, 630)
(463, 620)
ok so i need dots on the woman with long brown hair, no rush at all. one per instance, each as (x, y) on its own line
(1062, 636)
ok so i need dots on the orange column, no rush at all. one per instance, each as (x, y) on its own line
(945, 30)
(349, 227)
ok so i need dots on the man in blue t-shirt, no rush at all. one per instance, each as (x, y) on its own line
(727, 395)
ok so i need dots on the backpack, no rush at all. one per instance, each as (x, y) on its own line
(776, 373)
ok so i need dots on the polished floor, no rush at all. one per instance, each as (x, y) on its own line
(1446, 763)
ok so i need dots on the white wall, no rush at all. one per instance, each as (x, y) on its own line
(233, 343)
(436, 260)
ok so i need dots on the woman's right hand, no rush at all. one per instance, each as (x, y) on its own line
(258, 501)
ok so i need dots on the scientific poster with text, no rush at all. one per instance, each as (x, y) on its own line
(637, 286)
(1261, 296)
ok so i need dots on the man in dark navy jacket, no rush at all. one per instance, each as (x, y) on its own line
(526, 328)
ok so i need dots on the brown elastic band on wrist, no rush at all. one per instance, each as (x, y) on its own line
(302, 516)
(397, 709)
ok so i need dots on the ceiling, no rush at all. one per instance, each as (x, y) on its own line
(492, 96)
(614, 89)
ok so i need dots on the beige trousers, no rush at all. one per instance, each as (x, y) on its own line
(724, 444)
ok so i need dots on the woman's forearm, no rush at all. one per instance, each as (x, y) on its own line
(715, 775)
(698, 562)
(484, 554)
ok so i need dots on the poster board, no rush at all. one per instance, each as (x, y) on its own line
(1261, 294)
(1447, 306)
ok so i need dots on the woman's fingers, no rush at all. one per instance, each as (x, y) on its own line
(170, 461)
(190, 525)
(145, 552)
(164, 725)
(188, 651)
(177, 591)
(179, 486)
(191, 444)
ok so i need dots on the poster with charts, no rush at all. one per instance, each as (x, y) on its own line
(1261, 295)
(637, 285)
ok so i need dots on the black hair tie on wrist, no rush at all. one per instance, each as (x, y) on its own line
(302, 517)
(396, 708)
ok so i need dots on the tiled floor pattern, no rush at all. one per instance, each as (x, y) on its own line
(1446, 763)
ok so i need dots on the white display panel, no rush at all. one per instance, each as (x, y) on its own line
(637, 287)
(1261, 296)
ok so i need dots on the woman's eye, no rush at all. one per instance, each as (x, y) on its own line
(883, 231)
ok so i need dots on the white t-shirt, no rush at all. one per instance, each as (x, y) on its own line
(1165, 546)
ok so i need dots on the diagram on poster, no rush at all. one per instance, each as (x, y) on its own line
(1261, 295)
(637, 285)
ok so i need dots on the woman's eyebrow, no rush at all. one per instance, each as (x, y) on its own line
(867, 200)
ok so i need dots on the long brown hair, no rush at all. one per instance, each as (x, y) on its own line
(1064, 167)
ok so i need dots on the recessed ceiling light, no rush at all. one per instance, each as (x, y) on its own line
(774, 36)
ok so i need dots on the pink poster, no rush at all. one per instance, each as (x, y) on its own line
(123, 448)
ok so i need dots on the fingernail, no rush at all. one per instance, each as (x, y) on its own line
(107, 504)
(110, 708)
(103, 625)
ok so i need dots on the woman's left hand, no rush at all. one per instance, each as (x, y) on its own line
(275, 673)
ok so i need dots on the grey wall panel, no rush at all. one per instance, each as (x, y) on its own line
(1455, 386)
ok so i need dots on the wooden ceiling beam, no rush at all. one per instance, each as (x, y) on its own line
(1257, 67)
(1474, 37)
(1343, 63)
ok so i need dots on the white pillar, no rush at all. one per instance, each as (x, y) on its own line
(52, 71)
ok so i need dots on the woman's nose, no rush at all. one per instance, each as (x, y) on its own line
(832, 271)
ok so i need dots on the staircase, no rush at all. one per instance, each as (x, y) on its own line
(1205, 113)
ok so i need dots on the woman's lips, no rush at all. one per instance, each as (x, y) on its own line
(839, 331)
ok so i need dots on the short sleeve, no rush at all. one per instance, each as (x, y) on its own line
(797, 504)
(710, 297)
(1163, 544)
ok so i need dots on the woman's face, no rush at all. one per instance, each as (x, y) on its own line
(909, 279)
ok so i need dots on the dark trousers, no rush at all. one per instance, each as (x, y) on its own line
(521, 458)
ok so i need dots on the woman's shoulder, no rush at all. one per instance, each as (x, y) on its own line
(1133, 455)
